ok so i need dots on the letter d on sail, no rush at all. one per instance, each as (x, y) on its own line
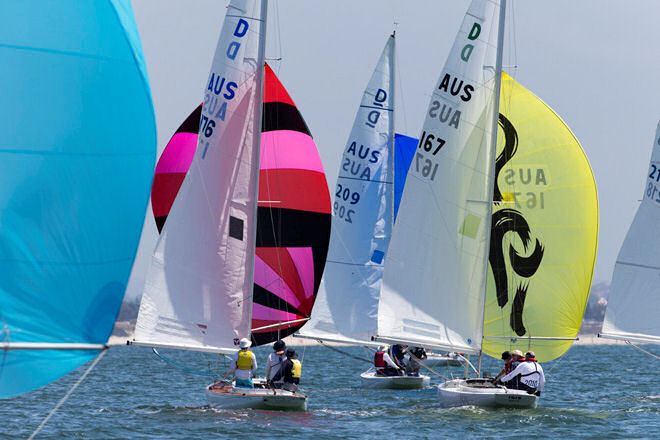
(473, 35)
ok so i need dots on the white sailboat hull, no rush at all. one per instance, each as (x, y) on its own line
(369, 379)
(230, 397)
(481, 392)
(439, 360)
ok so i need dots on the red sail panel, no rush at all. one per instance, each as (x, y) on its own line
(294, 210)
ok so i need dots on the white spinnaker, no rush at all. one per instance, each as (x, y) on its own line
(434, 281)
(346, 306)
(199, 285)
(633, 305)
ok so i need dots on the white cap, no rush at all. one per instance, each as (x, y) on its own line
(245, 343)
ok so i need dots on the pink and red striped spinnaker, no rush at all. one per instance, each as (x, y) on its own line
(293, 219)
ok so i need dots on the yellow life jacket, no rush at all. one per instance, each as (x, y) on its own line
(296, 370)
(244, 361)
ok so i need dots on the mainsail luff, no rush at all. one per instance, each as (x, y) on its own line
(347, 303)
(450, 189)
(633, 304)
(198, 293)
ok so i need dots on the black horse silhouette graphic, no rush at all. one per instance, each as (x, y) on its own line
(510, 220)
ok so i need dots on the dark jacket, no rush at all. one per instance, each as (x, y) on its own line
(286, 373)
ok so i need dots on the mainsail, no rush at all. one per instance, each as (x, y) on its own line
(544, 230)
(435, 273)
(75, 181)
(293, 226)
(347, 307)
(633, 304)
(198, 293)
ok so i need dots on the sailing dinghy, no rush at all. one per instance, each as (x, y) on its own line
(483, 258)
(364, 205)
(75, 182)
(264, 265)
(633, 304)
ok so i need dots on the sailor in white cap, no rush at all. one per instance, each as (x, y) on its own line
(244, 364)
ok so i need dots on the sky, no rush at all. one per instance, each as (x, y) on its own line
(595, 62)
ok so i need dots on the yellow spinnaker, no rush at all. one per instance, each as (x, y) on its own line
(545, 230)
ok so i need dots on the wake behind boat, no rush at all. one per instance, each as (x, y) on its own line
(224, 395)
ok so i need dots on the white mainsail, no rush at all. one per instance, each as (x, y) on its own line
(633, 305)
(435, 274)
(199, 285)
(346, 307)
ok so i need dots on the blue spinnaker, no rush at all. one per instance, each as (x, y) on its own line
(77, 152)
(404, 151)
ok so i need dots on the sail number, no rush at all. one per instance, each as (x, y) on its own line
(344, 194)
(344, 213)
(652, 192)
(206, 126)
(426, 143)
(655, 173)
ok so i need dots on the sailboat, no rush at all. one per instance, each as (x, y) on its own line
(633, 304)
(286, 292)
(365, 206)
(484, 257)
(76, 177)
(241, 245)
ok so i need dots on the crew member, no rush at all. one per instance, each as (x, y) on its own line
(384, 364)
(290, 371)
(506, 357)
(397, 354)
(275, 362)
(527, 376)
(244, 364)
(417, 354)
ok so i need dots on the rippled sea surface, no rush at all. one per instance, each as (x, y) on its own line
(591, 392)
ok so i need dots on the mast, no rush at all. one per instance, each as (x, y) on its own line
(494, 122)
(393, 131)
(261, 59)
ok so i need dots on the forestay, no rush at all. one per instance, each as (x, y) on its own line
(199, 285)
(434, 281)
(347, 304)
(77, 154)
(633, 304)
(544, 230)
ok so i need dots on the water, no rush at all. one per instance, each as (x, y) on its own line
(594, 392)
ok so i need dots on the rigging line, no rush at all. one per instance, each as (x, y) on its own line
(182, 368)
(343, 352)
(421, 364)
(642, 350)
(66, 396)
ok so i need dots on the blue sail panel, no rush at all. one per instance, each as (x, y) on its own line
(76, 156)
(404, 151)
